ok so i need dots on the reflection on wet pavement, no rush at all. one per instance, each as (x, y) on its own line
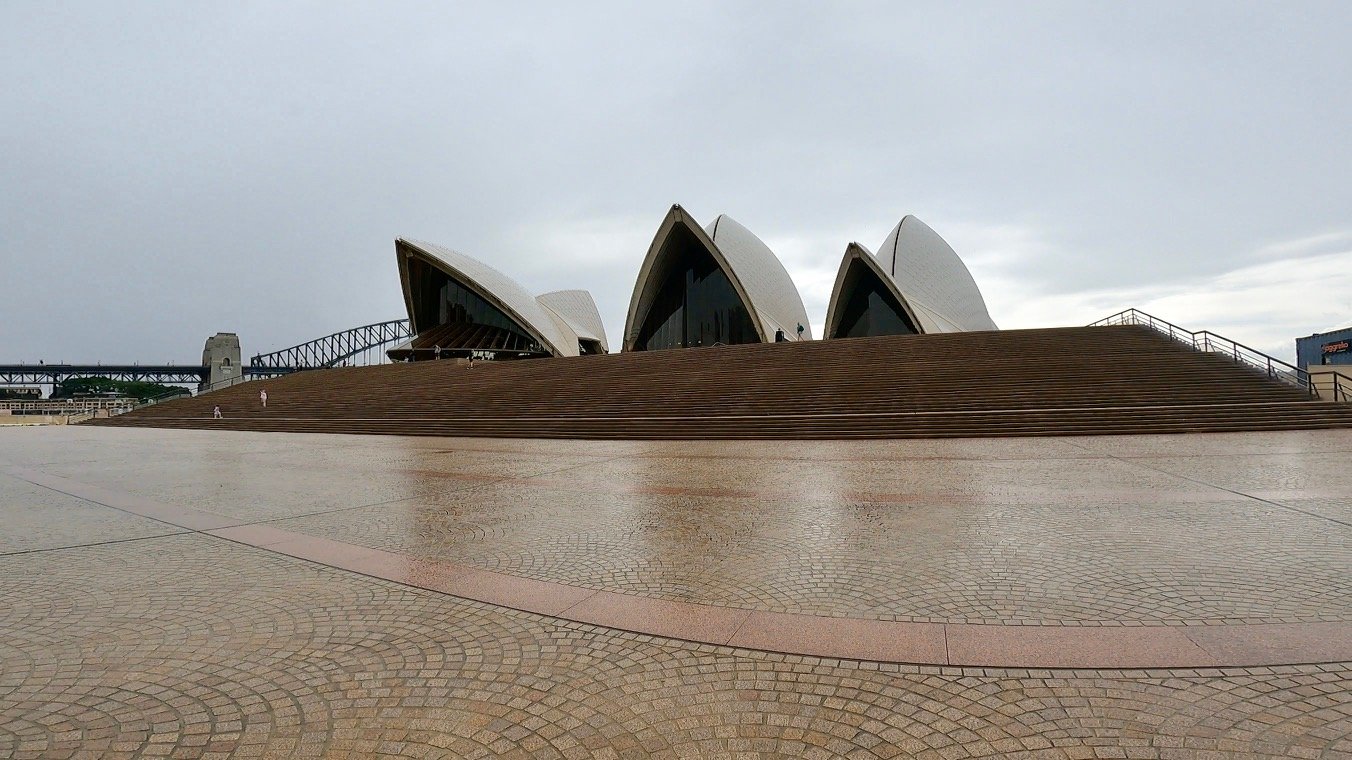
(125, 635)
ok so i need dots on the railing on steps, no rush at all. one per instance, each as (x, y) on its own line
(226, 383)
(182, 392)
(1338, 388)
(153, 400)
(1209, 342)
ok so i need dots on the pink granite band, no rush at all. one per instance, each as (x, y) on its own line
(956, 644)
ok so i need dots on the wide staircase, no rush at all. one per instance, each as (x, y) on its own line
(1065, 381)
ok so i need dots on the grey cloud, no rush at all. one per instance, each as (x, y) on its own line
(171, 169)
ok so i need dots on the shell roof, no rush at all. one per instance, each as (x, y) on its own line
(578, 309)
(935, 282)
(773, 296)
(501, 291)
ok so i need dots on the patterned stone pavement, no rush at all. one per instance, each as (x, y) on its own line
(36, 518)
(1036, 532)
(125, 636)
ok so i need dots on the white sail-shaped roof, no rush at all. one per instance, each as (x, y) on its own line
(934, 282)
(578, 310)
(493, 286)
(774, 298)
(753, 270)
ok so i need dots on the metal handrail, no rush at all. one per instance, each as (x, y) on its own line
(153, 400)
(171, 395)
(1209, 342)
(1339, 390)
(226, 383)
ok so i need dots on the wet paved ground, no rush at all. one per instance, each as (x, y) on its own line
(126, 630)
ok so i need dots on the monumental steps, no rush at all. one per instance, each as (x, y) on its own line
(1062, 381)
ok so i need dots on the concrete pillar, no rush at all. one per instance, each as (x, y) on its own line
(221, 355)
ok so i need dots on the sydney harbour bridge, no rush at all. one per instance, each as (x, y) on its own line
(349, 346)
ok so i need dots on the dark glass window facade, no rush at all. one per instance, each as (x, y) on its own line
(458, 304)
(695, 303)
(870, 308)
(439, 300)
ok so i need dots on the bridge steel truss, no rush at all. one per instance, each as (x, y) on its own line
(52, 374)
(329, 350)
(181, 374)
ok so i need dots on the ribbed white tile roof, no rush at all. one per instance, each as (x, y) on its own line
(774, 298)
(578, 310)
(498, 289)
(934, 281)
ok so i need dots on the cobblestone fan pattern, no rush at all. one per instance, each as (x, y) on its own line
(1148, 530)
(33, 518)
(190, 646)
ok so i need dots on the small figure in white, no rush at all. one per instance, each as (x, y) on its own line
(263, 397)
(216, 413)
(437, 352)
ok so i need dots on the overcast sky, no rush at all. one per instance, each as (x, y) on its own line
(170, 170)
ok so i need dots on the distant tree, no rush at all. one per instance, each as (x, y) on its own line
(19, 394)
(107, 387)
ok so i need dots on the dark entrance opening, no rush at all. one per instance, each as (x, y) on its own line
(695, 303)
(870, 308)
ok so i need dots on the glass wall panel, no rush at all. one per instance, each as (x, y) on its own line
(459, 304)
(424, 286)
(695, 303)
(871, 309)
(439, 300)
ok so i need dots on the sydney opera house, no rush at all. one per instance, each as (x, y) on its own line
(697, 286)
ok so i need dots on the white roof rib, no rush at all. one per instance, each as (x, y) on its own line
(578, 309)
(774, 299)
(934, 281)
(495, 287)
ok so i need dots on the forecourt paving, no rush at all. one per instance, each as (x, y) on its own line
(199, 593)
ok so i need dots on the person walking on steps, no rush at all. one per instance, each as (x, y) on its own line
(216, 413)
(263, 397)
(436, 352)
(471, 361)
